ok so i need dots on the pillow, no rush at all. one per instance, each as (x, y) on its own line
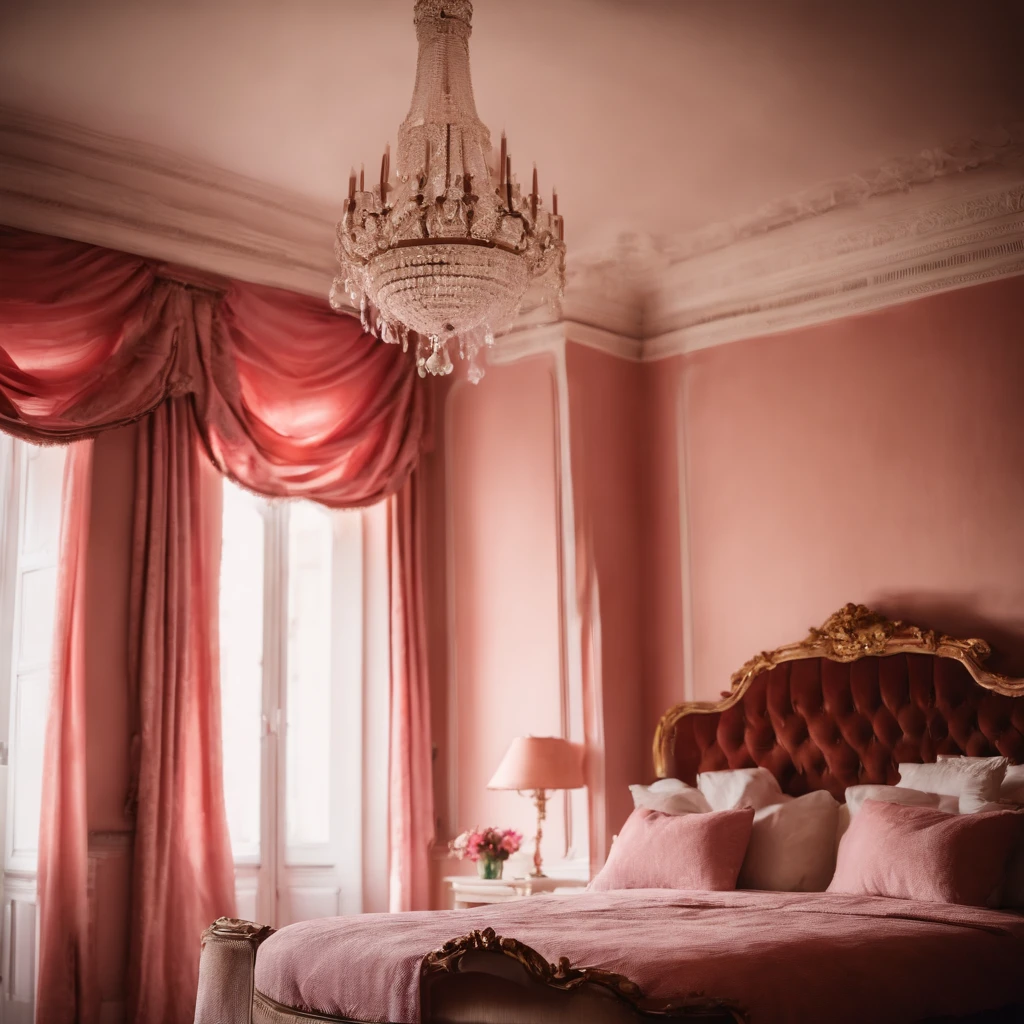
(920, 853)
(792, 845)
(1012, 789)
(975, 782)
(677, 851)
(741, 787)
(670, 796)
(856, 795)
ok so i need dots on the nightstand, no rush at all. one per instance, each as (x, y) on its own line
(468, 891)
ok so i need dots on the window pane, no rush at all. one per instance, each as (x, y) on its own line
(44, 478)
(30, 707)
(35, 598)
(241, 664)
(310, 531)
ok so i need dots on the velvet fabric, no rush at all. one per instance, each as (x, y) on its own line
(289, 398)
(65, 954)
(411, 765)
(919, 853)
(284, 397)
(820, 724)
(677, 851)
(183, 867)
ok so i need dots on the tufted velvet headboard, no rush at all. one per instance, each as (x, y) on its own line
(846, 705)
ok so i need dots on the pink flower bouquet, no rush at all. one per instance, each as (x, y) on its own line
(487, 846)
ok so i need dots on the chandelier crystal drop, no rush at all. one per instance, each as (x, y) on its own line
(441, 254)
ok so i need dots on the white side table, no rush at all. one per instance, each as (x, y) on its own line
(468, 891)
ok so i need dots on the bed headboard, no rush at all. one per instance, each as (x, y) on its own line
(845, 706)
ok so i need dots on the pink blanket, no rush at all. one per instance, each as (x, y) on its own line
(784, 957)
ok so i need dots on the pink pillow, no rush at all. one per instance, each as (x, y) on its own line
(677, 851)
(917, 853)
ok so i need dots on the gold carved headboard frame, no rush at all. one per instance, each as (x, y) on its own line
(849, 634)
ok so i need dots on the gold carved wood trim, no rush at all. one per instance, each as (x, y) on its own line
(562, 977)
(849, 634)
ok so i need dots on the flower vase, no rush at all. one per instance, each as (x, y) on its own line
(489, 867)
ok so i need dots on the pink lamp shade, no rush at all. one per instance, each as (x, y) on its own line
(539, 763)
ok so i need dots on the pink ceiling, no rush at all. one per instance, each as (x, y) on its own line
(727, 104)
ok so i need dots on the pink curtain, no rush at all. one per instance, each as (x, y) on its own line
(290, 399)
(70, 996)
(183, 869)
(286, 398)
(411, 763)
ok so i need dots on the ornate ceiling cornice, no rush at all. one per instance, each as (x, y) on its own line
(998, 146)
(944, 219)
(963, 230)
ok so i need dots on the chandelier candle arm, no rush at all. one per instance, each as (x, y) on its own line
(439, 260)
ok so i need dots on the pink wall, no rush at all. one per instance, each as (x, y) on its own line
(875, 459)
(504, 678)
(605, 407)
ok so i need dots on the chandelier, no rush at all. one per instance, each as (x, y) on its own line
(440, 255)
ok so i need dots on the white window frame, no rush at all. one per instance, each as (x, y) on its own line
(350, 874)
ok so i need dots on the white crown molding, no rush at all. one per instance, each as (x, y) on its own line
(944, 219)
(962, 230)
(56, 178)
(1001, 145)
(552, 338)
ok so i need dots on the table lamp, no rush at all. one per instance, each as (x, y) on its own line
(537, 764)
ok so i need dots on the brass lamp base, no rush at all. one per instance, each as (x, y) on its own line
(540, 799)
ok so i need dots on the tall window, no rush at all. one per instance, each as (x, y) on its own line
(30, 504)
(303, 626)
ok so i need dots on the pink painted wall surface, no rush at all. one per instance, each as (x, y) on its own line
(875, 459)
(661, 578)
(504, 675)
(605, 408)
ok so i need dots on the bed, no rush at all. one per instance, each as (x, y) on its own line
(843, 707)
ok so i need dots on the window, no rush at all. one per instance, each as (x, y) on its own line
(31, 481)
(304, 684)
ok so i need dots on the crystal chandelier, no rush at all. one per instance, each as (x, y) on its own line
(441, 254)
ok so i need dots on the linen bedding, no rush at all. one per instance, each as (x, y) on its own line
(783, 957)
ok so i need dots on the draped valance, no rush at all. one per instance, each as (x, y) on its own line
(289, 398)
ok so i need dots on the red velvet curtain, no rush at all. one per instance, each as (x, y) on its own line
(286, 398)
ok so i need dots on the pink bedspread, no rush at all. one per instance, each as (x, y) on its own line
(784, 957)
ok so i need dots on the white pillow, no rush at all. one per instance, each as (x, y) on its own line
(975, 782)
(1012, 789)
(856, 795)
(670, 796)
(792, 845)
(741, 787)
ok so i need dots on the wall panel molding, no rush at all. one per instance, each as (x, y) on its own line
(540, 342)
